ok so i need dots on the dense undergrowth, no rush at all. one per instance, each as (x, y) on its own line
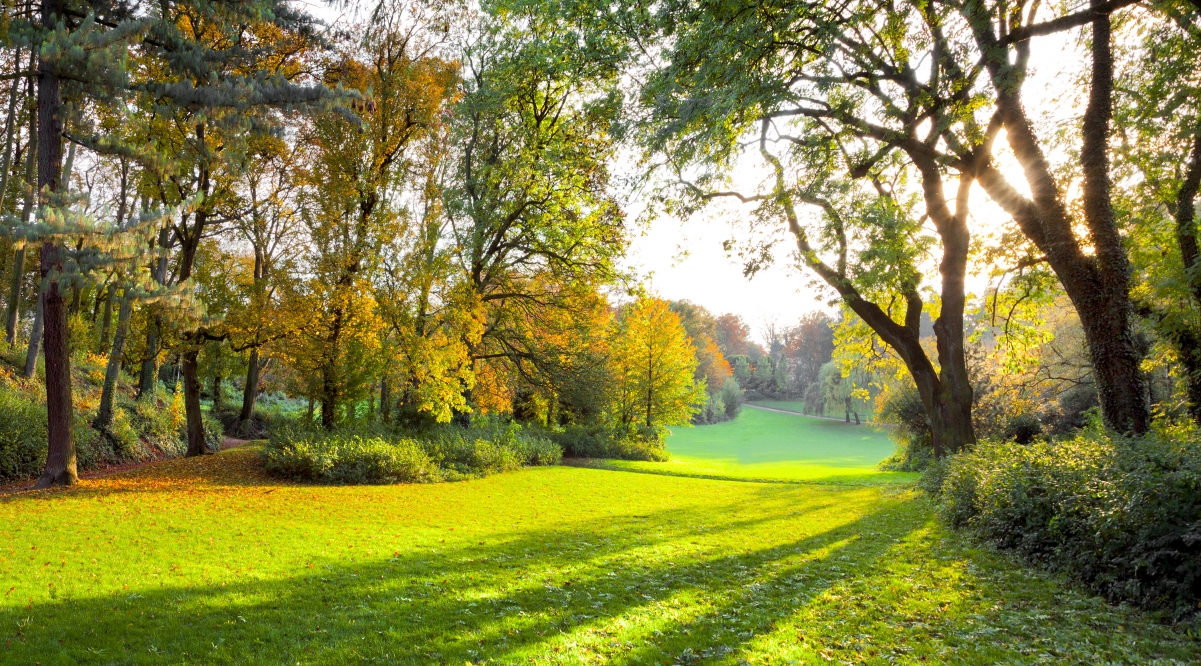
(377, 454)
(141, 429)
(1120, 515)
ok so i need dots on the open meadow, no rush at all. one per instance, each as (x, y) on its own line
(208, 560)
(773, 446)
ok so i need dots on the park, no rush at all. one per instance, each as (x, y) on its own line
(208, 560)
(600, 332)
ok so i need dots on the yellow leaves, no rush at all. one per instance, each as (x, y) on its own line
(653, 364)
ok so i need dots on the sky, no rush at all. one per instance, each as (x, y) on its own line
(686, 260)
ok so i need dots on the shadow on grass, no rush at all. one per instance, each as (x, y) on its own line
(848, 480)
(615, 587)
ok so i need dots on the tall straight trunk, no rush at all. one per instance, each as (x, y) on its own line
(1097, 281)
(112, 371)
(106, 317)
(148, 377)
(189, 357)
(35, 339)
(14, 293)
(9, 131)
(329, 400)
(191, 402)
(251, 391)
(1186, 337)
(60, 455)
(385, 400)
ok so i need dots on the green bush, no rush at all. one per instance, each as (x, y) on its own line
(580, 441)
(1122, 516)
(22, 435)
(333, 458)
(374, 454)
(903, 409)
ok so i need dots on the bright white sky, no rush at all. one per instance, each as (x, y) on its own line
(686, 261)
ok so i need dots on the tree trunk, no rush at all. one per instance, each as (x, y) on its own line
(1098, 282)
(107, 317)
(385, 400)
(329, 400)
(310, 410)
(35, 340)
(251, 392)
(9, 130)
(112, 371)
(148, 379)
(14, 294)
(14, 297)
(191, 402)
(60, 456)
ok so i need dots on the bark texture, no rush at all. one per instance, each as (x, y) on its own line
(1098, 283)
(60, 455)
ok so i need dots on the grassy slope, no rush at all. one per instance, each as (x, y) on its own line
(798, 406)
(207, 561)
(778, 447)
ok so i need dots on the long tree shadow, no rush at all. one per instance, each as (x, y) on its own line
(612, 586)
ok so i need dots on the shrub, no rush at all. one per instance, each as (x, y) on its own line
(374, 454)
(22, 434)
(1121, 515)
(579, 441)
(903, 409)
(334, 458)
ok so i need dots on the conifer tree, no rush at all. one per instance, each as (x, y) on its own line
(87, 51)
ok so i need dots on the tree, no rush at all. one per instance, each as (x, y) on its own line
(535, 230)
(176, 68)
(355, 170)
(653, 368)
(1157, 105)
(784, 80)
(810, 344)
(732, 335)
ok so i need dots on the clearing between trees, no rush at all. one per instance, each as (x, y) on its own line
(209, 560)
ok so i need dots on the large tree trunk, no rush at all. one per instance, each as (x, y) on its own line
(112, 372)
(1098, 282)
(251, 392)
(60, 456)
(35, 340)
(1189, 344)
(191, 402)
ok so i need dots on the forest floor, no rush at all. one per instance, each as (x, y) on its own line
(209, 560)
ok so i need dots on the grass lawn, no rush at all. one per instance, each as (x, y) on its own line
(799, 407)
(208, 561)
(771, 446)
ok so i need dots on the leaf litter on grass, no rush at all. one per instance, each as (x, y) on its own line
(210, 561)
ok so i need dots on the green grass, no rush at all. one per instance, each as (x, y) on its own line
(206, 560)
(798, 406)
(771, 446)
